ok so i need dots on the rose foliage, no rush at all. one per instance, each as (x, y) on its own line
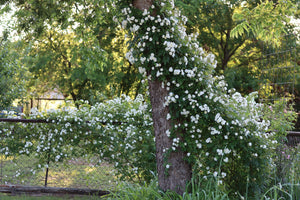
(222, 133)
(118, 131)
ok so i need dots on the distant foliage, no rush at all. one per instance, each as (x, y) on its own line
(12, 73)
(267, 21)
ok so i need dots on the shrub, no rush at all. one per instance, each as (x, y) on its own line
(118, 131)
(221, 131)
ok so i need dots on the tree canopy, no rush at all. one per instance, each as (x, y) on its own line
(75, 46)
(219, 27)
(78, 46)
(12, 73)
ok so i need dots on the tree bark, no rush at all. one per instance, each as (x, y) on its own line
(179, 172)
(142, 4)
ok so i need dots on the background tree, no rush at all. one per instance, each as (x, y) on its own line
(76, 47)
(218, 24)
(239, 38)
(267, 21)
(276, 24)
(214, 31)
(95, 20)
(12, 73)
(59, 60)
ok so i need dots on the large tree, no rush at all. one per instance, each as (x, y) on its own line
(220, 24)
(77, 47)
(192, 110)
(12, 73)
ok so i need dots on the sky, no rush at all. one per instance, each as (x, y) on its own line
(6, 20)
(296, 22)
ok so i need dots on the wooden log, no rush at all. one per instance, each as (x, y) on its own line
(15, 189)
(11, 120)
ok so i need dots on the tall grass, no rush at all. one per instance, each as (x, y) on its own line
(211, 189)
(66, 197)
(198, 189)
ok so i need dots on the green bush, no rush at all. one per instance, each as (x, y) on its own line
(119, 131)
(235, 146)
(282, 117)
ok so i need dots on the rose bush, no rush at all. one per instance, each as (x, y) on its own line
(118, 131)
(221, 132)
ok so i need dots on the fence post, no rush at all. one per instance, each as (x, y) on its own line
(48, 162)
(1, 169)
(47, 170)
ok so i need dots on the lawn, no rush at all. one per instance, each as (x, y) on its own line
(73, 173)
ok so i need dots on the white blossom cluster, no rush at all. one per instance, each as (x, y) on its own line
(212, 122)
(211, 116)
(296, 30)
(117, 131)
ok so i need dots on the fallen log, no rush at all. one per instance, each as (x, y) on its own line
(15, 120)
(17, 190)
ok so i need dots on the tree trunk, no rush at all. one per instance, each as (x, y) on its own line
(179, 173)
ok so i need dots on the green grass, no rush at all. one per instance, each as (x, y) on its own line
(73, 173)
(200, 190)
